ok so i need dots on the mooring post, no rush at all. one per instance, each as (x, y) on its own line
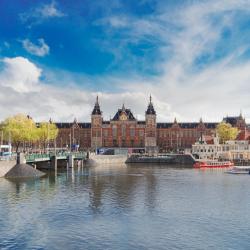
(20, 158)
(71, 160)
(54, 162)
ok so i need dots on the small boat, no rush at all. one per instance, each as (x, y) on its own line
(213, 164)
(239, 170)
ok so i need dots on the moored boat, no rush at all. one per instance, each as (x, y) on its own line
(239, 170)
(213, 164)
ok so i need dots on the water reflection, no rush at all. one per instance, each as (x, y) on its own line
(125, 207)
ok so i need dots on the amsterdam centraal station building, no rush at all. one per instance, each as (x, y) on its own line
(125, 131)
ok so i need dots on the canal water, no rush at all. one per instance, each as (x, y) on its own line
(120, 207)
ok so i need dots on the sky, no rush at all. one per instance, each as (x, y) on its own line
(193, 57)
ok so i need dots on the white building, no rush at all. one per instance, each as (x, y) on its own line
(230, 150)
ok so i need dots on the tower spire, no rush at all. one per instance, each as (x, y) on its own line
(123, 107)
(96, 110)
(150, 109)
(241, 114)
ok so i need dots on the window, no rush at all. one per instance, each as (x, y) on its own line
(132, 132)
(141, 133)
(123, 130)
(114, 131)
(115, 143)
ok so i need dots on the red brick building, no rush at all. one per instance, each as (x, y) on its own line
(124, 130)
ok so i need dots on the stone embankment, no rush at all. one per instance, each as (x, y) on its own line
(18, 169)
(106, 159)
(23, 171)
(6, 166)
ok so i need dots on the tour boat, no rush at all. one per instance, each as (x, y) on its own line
(213, 164)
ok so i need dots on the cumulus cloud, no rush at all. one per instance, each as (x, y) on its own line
(39, 49)
(19, 75)
(185, 89)
(186, 38)
(22, 91)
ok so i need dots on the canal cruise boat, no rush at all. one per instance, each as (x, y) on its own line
(213, 164)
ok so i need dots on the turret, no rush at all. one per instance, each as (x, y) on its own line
(97, 110)
(150, 130)
(150, 110)
(96, 126)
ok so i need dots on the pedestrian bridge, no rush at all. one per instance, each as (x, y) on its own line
(33, 158)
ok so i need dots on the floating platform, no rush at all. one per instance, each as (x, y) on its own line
(167, 159)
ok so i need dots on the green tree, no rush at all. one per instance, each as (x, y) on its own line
(226, 132)
(19, 129)
(47, 131)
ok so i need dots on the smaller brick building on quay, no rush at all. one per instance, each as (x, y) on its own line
(125, 131)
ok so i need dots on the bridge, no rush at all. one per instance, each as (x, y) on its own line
(33, 158)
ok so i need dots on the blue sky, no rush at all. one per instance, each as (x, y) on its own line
(192, 56)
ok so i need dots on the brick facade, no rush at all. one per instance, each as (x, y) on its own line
(124, 130)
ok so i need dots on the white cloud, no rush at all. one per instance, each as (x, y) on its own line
(50, 10)
(41, 49)
(22, 91)
(40, 13)
(19, 75)
(220, 88)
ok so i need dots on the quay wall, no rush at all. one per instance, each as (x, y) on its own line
(106, 159)
(6, 166)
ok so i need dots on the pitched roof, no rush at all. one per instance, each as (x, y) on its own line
(141, 122)
(164, 125)
(231, 119)
(189, 125)
(128, 113)
(61, 125)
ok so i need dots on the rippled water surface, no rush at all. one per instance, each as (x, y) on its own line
(127, 208)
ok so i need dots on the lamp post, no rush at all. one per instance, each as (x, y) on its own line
(70, 142)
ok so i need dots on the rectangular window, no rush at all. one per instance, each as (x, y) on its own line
(114, 131)
(123, 130)
(141, 133)
(132, 132)
(105, 133)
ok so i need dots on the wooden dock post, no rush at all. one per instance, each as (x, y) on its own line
(54, 162)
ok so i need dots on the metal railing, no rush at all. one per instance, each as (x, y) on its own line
(64, 155)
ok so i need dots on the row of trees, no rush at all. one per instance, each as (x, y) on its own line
(22, 129)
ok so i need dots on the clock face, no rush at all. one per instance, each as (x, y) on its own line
(96, 122)
(123, 117)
